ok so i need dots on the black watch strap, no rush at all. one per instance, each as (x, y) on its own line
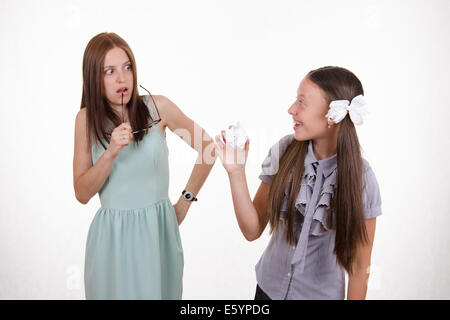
(189, 196)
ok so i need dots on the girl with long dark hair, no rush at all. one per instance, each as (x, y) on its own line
(319, 196)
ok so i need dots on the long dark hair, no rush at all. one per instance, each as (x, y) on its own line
(98, 110)
(337, 84)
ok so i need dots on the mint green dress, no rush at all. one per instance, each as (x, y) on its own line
(133, 248)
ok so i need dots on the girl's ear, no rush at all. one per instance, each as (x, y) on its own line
(330, 124)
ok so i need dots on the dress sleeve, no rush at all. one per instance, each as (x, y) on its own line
(371, 193)
(271, 163)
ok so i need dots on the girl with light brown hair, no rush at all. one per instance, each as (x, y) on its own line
(133, 248)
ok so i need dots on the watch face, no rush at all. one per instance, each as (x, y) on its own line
(188, 196)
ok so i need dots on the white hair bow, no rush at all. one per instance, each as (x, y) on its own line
(357, 109)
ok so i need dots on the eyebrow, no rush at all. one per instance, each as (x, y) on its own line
(114, 66)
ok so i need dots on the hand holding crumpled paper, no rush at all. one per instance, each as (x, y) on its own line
(232, 147)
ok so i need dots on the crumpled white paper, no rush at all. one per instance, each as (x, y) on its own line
(236, 136)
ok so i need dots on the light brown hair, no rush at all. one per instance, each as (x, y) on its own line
(347, 204)
(98, 110)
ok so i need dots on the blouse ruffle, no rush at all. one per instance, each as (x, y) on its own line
(323, 217)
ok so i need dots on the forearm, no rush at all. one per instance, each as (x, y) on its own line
(357, 285)
(196, 180)
(91, 182)
(245, 211)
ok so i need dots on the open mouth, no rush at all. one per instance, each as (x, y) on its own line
(297, 124)
(123, 90)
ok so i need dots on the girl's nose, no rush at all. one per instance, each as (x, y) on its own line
(120, 76)
(292, 109)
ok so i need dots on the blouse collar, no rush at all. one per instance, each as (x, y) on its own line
(328, 165)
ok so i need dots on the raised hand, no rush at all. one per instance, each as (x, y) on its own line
(233, 159)
(120, 138)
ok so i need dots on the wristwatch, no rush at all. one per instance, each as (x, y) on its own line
(188, 196)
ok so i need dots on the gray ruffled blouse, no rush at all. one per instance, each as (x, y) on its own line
(309, 269)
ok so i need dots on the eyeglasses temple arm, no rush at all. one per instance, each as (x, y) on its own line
(151, 97)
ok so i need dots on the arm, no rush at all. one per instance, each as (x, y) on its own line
(198, 139)
(357, 282)
(251, 216)
(88, 179)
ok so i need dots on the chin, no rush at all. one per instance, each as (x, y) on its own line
(301, 137)
(118, 100)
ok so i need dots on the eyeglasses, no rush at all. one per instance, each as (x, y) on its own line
(151, 124)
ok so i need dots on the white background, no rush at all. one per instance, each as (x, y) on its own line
(223, 61)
